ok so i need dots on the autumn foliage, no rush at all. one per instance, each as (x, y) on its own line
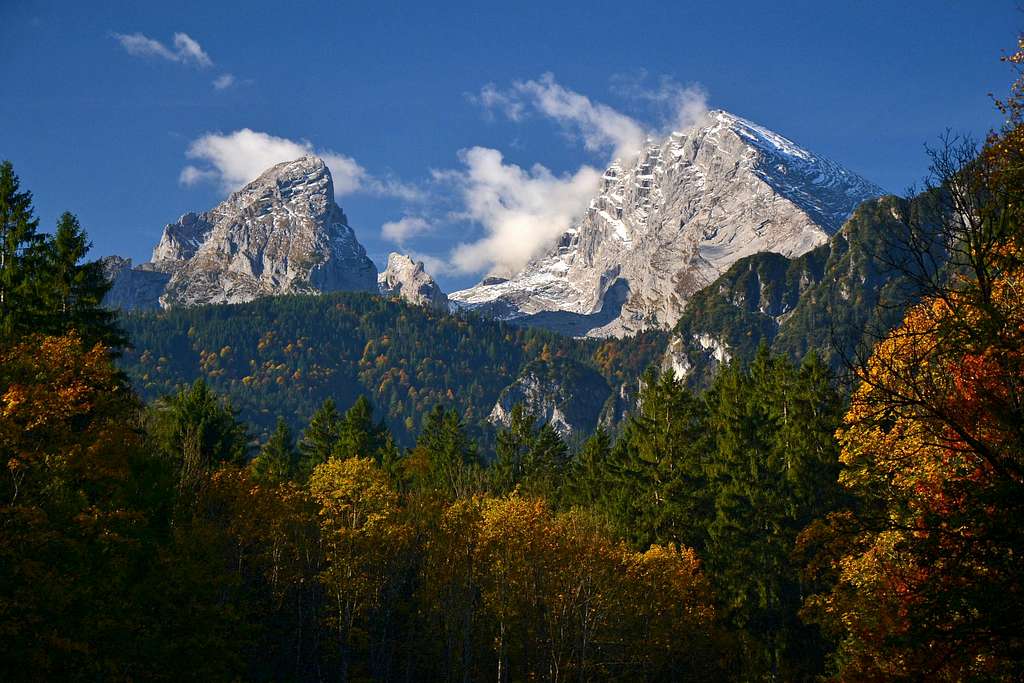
(926, 568)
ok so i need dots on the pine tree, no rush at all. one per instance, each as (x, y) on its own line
(72, 292)
(545, 463)
(444, 457)
(19, 256)
(513, 445)
(319, 439)
(656, 473)
(774, 470)
(358, 435)
(198, 431)
(587, 482)
(278, 460)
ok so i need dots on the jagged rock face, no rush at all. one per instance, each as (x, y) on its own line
(668, 223)
(561, 392)
(283, 233)
(407, 279)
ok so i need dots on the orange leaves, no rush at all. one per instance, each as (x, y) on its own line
(57, 394)
(932, 449)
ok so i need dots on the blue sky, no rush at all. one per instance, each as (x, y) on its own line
(102, 102)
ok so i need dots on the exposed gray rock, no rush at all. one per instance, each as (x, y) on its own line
(669, 222)
(283, 233)
(407, 279)
(561, 392)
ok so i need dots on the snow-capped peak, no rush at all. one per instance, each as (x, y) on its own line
(669, 221)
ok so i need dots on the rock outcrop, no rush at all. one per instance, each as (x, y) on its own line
(132, 288)
(837, 299)
(561, 392)
(282, 233)
(408, 280)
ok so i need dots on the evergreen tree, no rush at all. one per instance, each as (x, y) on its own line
(746, 547)
(20, 247)
(444, 458)
(774, 470)
(358, 435)
(656, 471)
(545, 463)
(319, 439)
(198, 431)
(278, 460)
(72, 292)
(587, 482)
(513, 445)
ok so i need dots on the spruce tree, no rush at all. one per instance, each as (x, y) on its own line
(444, 457)
(319, 439)
(587, 482)
(72, 292)
(19, 256)
(545, 463)
(513, 445)
(278, 460)
(358, 435)
(657, 467)
(774, 470)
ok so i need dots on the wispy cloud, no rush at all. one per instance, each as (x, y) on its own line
(599, 126)
(405, 228)
(236, 158)
(223, 82)
(185, 50)
(521, 210)
(677, 107)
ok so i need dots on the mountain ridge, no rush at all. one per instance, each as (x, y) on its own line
(671, 221)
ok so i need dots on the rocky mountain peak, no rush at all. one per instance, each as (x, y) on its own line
(407, 278)
(668, 222)
(282, 233)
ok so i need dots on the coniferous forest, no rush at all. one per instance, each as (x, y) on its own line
(307, 488)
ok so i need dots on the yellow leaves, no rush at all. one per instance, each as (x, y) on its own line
(360, 527)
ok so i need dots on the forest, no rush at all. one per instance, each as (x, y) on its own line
(777, 525)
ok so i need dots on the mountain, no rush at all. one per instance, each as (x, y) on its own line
(837, 299)
(406, 279)
(669, 222)
(282, 233)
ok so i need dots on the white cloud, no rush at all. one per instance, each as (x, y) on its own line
(490, 98)
(392, 187)
(234, 159)
(186, 49)
(600, 126)
(223, 82)
(678, 106)
(522, 211)
(401, 230)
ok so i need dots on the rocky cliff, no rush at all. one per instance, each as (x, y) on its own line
(838, 299)
(282, 233)
(561, 392)
(407, 279)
